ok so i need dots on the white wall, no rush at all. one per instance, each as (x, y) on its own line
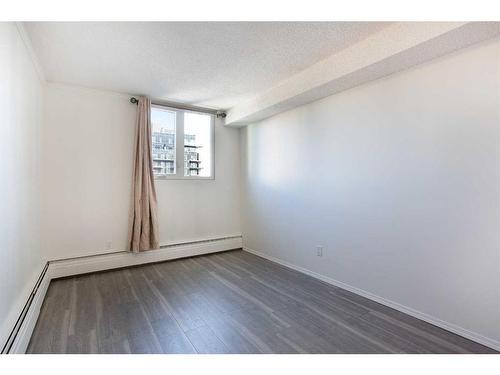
(88, 153)
(21, 95)
(398, 179)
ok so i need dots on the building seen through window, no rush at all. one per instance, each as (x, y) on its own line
(197, 143)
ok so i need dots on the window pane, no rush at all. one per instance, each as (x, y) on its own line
(197, 145)
(163, 134)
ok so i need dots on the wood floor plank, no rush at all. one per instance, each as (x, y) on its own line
(230, 302)
(234, 335)
(171, 337)
(206, 341)
(51, 331)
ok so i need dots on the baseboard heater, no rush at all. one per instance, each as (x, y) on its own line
(177, 244)
(13, 334)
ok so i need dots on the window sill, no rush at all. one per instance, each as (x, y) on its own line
(166, 178)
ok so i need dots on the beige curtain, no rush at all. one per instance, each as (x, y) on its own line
(143, 213)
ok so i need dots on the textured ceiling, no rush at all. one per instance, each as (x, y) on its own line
(214, 64)
(397, 47)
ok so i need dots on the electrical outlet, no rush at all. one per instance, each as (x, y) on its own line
(319, 250)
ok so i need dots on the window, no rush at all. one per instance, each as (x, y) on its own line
(163, 128)
(182, 143)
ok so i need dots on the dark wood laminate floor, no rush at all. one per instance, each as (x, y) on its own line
(232, 302)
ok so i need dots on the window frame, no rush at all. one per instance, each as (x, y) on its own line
(179, 144)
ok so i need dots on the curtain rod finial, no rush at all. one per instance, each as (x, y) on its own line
(134, 100)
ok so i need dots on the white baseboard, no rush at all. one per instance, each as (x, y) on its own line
(486, 341)
(70, 267)
(23, 337)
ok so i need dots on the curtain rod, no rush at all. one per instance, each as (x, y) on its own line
(222, 114)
